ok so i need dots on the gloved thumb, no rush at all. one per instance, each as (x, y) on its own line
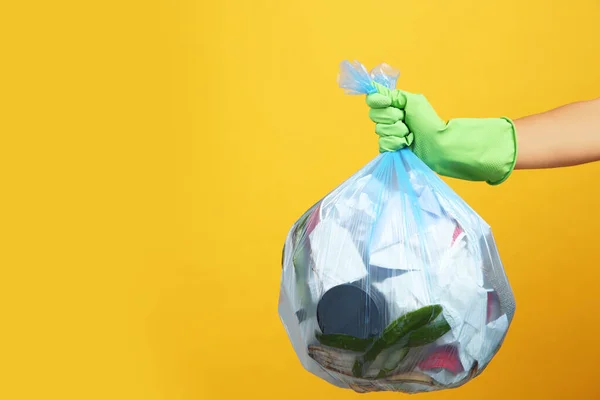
(378, 101)
(387, 97)
(417, 110)
(420, 113)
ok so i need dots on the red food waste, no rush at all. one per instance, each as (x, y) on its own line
(444, 358)
(493, 307)
(457, 231)
(313, 220)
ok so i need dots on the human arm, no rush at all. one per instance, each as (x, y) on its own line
(562, 137)
(486, 149)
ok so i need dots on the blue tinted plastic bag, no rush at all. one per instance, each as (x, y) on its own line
(392, 282)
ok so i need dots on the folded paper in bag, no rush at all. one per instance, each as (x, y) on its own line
(392, 282)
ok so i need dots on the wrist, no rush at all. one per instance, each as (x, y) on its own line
(508, 136)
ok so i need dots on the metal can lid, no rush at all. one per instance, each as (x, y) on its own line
(352, 310)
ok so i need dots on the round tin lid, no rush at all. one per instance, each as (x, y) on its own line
(351, 310)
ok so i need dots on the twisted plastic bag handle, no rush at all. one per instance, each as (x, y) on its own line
(355, 79)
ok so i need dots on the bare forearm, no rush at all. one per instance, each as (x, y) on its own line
(566, 136)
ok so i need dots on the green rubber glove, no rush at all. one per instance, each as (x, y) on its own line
(474, 149)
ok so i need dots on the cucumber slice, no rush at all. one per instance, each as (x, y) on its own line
(345, 342)
(429, 333)
(393, 360)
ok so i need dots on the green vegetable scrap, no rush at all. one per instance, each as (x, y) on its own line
(392, 361)
(386, 353)
(301, 260)
(357, 369)
(402, 326)
(300, 225)
(414, 329)
(420, 337)
(345, 342)
(428, 333)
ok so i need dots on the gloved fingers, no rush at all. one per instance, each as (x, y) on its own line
(378, 101)
(394, 143)
(397, 129)
(397, 98)
(389, 115)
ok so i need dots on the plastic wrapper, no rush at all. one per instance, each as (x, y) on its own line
(391, 282)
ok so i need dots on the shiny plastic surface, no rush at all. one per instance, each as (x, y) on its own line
(391, 282)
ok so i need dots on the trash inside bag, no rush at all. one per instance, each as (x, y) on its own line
(391, 282)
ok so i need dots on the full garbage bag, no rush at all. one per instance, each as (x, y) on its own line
(391, 282)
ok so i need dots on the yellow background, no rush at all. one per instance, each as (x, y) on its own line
(155, 153)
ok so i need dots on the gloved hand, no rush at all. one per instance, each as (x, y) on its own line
(474, 149)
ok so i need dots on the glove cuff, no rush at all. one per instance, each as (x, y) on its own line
(512, 134)
(483, 149)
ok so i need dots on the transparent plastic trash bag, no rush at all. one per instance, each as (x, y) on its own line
(391, 282)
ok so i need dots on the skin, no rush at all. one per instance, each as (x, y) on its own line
(562, 137)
